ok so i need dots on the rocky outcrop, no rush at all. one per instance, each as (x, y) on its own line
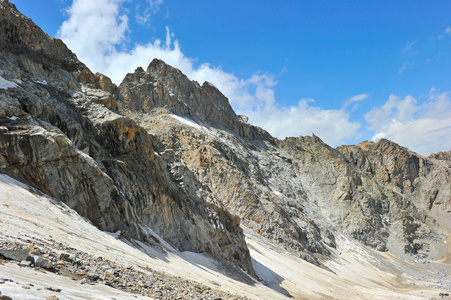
(374, 192)
(251, 178)
(41, 58)
(425, 182)
(441, 155)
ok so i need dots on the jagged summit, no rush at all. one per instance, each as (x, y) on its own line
(163, 86)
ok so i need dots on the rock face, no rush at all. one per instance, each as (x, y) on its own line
(160, 153)
(375, 192)
(61, 133)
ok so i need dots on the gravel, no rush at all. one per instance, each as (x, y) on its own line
(86, 268)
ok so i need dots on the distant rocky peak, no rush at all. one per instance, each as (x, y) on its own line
(387, 146)
(441, 155)
(163, 86)
(186, 90)
(162, 70)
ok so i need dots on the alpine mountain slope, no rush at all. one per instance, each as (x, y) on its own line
(171, 180)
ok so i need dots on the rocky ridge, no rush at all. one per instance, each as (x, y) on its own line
(160, 151)
(376, 192)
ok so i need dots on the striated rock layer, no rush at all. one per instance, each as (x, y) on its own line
(162, 152)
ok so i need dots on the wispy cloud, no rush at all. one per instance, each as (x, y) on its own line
(448, 31)
(255, 97)
(405, 66)
(408, 48)
(333, 126)
(355, 99)
(143, 15)
(424, 128)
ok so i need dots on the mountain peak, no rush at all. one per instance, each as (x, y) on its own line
(163, 86)
(161, 67)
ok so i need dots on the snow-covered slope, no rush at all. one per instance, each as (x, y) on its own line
(38, 220)
(34, 219)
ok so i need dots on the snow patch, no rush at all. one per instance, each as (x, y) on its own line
(277, 193)
(5, 84)
(41, 82)
(212, 132)
(13, 118)
(188, 122)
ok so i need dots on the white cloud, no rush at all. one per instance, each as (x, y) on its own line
(448, 31)
(424, 128)
(356, 98)
(407, 49)
(332, 126)
(93, 30)
(96, 30)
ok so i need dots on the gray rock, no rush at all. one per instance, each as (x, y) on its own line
(43, 262)
(18, 255)
(162, 86)
(52, 289)
(92, 276)
(66, 257)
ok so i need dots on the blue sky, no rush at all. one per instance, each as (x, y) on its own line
(347, 71)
